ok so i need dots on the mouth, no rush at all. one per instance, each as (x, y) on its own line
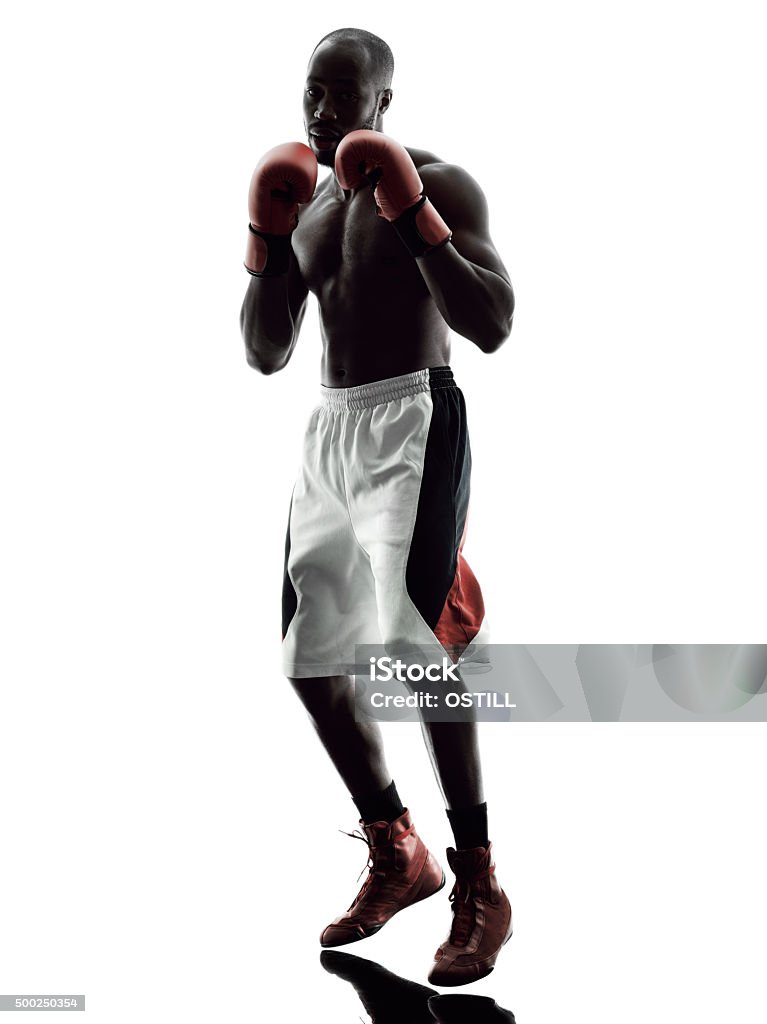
(323, 139)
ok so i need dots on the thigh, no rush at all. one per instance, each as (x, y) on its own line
(328, 591)
(414, 523)
(325, 694)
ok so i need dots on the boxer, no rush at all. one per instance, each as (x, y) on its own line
(395, 245)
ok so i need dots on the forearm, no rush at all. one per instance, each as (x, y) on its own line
(476, 303)
(267, 326)
(270, 318)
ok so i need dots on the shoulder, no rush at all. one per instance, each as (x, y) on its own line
(449, 186)
(422, 157)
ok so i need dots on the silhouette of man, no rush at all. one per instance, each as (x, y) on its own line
(394, 243)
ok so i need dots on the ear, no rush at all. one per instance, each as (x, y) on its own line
(384, 101)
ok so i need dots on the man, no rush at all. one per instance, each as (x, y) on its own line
(373, 552)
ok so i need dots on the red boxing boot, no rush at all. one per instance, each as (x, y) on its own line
(401, 872)
(481, 920)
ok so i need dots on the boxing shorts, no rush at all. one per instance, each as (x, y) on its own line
(377, 521)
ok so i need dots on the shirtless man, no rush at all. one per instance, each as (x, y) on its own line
(373, 551)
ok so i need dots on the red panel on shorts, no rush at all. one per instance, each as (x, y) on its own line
(463, 610)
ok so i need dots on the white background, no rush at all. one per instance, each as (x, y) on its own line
(169, 842)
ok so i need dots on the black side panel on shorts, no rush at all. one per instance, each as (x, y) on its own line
(443, 501)
(289, 598)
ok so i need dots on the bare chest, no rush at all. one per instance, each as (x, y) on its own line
(344, 242)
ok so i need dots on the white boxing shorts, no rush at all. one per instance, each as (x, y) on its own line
(373, 553)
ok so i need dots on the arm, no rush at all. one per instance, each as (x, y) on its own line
(466, 277)
(271, 317)
(442, 220)
(275, 301)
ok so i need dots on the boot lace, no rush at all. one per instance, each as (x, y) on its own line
(369, 867)
(462, 900)
(463, 914)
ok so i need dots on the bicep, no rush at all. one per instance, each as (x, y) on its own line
(462, 204)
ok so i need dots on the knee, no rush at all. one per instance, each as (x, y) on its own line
(324, 696)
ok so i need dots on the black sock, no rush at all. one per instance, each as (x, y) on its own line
(469, 825)
(385, 805)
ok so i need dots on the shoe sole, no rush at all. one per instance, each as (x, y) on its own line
(374, 931)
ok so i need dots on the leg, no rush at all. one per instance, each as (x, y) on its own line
(402, 871)
(454, 753)
(329, 607)
(412, 524)
(453, 748)
(355, 748)
(428, 597)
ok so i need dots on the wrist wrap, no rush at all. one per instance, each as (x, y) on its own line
(421, 228)
(268, 255)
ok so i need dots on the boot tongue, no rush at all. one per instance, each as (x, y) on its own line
(382, 848)
(467, 864)
(386, 832)
(377, 832)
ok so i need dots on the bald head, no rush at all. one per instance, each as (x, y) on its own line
(378, 58)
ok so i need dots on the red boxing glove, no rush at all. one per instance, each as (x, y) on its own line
(283, 178)
(373, 157)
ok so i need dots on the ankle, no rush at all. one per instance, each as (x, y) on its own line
(383, 805)
(469, 825)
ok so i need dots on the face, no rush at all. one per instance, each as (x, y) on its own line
(340, 97)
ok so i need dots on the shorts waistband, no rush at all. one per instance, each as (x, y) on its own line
(379, 392)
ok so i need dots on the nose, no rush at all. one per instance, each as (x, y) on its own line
(324, 111)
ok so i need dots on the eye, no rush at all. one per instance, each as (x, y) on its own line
(350, 97)
(311, 92)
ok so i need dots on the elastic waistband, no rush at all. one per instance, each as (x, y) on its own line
(379, 392)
